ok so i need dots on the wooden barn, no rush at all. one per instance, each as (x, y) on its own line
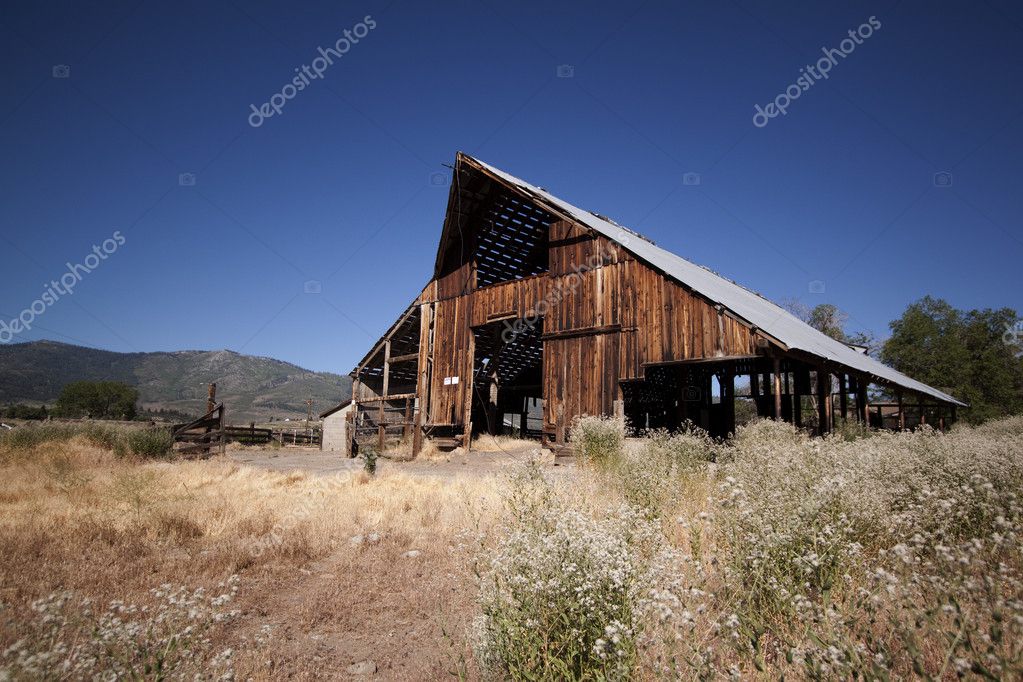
(538, 307)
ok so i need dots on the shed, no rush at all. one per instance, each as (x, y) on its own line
(335, 427)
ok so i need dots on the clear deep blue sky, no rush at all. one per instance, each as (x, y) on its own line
(337, 188)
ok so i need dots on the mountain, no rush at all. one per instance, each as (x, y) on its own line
(252, 388)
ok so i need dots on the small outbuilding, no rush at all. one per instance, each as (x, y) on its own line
(335, 427)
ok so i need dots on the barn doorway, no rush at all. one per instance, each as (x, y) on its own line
(508, 378)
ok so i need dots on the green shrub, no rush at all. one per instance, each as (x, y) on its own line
(598, 439)
(657, 475)
(369, 460)
(121, 440)
(566, 593)
(147, 443)
(31, 435)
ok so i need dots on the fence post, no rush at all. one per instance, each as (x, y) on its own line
(223, 435)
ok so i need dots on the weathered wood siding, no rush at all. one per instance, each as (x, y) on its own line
(615, 318)
(606, 315)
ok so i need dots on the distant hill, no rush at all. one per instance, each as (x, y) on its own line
(253, 388)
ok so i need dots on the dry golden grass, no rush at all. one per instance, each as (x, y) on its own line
(487, 443)
(341, 568)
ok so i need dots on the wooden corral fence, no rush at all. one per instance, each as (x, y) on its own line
(297, 437)
(383, 423)
(250, 435)
(201, 436)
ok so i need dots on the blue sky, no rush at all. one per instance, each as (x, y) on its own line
(337, 188)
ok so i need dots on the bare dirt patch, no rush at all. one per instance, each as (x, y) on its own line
(335, 569)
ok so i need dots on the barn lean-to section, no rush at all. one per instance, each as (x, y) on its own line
(537, 305)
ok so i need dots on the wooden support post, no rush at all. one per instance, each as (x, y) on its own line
(223, 436)
(727, 380)
(776, 388)
(902, 414)
(406, 428)
(923, 414)
(559, 425)
(843, 396)
(423, 378)
(492, 414)
(861, 399)
(468, 381)
(789, 389)
(823, 401)
(351, 443)
(524, 418)
(384, 392)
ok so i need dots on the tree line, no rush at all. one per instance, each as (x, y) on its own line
(973, 355)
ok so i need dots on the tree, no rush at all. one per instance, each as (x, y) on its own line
(964, 353)
(97, 400)
(829, 319)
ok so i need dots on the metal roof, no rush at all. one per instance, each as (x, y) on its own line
(340, 406)
(748, 305)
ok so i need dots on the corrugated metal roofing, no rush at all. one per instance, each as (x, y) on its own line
(748, 305)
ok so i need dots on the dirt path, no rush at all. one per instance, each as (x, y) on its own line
(312, 460)
(369, 612)
(383, 608)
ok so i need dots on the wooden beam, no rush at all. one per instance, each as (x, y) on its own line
(408, 357)
(469, 382)
(823, 401)
(408, 419)
(727, 380)
(583, 331)
(861, 399)
(843, 396)
(696, 361)
(387, 398)
(776, 387)
(383, 391)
